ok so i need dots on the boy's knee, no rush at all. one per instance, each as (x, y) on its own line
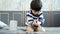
(29, 28)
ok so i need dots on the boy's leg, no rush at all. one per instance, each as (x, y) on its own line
(43, 30)
(35, 29)
(29, 28)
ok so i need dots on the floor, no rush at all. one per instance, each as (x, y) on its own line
(21, 30)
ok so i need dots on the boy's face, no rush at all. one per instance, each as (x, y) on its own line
(35, 12)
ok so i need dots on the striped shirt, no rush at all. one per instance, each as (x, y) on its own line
(31, 17)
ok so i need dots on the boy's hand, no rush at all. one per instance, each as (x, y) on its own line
(37, 23)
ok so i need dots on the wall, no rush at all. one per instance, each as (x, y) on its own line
(24, 5)
(52, 18)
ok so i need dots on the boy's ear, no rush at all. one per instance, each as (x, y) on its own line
(30, 8)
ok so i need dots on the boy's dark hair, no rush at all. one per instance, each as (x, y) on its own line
(36, 5)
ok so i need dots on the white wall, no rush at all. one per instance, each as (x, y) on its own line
(9, 4)
(51, 5)
(48, 5)
(25, 4)
(14, 5)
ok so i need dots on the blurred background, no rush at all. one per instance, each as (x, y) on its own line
(16, 10)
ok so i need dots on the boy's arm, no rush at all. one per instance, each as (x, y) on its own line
(41, 19)
(30, 20)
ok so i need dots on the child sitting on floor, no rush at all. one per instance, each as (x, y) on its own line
(35, 16)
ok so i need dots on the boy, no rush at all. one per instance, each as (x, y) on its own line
(35, 17)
